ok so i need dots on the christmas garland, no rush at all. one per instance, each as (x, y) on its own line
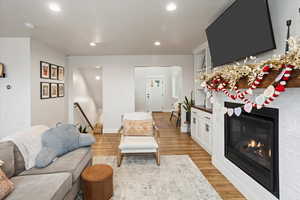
(229, 75)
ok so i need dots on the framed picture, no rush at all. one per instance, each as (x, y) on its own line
(53, 90)
(53, 72)
(61, 89)
(2, 70)
(61, 73)
(45, 70)
(45, 90)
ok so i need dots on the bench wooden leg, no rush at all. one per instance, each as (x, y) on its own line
(171, 115)
(177, 122)
(157, 156)
(119, 158)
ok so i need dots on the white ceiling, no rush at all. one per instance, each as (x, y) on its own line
(121, 27)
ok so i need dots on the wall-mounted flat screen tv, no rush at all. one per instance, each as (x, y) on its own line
(243, 30)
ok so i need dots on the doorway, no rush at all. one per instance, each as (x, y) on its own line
(157, 88)
(87, 98)
(154, 94)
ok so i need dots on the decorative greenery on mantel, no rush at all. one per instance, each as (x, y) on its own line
(229, 76)
(232, 74)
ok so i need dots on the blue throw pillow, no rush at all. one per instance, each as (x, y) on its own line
(59, 141)
(45, 157)
(86, 140)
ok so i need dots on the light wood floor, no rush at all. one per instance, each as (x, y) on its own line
(172, 142)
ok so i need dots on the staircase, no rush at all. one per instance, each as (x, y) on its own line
(97, 129)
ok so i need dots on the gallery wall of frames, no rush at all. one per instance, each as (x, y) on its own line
(55, 87)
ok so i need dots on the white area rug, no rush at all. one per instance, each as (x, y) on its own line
(177, 178)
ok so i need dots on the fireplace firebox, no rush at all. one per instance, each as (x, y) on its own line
(251, 143)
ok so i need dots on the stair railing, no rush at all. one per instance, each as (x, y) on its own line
(76, 105)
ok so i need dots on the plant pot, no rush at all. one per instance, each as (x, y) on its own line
(188, 117)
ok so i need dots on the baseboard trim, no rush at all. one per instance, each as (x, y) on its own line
(108, 131)
(184, 129)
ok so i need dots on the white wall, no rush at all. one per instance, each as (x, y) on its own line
(15, 112)
(280, 12)
(53, 110)
(81, 95)
(176, 82)
(21, 106)
(118, 80)
(94, 86)
(141, 76)
(289, 140)
(118, 95)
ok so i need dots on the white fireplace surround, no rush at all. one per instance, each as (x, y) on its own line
(289, 149)
(289, 122)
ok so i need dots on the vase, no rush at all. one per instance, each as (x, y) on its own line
(188, 117)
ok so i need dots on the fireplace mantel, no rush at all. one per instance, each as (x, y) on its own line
(294, 82)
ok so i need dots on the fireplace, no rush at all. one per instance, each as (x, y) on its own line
(251, 143)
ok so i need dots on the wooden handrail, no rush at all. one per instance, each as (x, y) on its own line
(84, 115)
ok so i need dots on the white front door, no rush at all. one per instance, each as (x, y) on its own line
(154, 94)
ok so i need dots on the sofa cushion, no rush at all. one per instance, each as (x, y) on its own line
(73, 162)
(46, 187)
(7, 156)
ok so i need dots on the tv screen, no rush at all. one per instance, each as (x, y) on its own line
(244, 29)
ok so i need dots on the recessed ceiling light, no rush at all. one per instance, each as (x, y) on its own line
(29, 25)
(171, 7)
(98, 67)
(97, 78)
(93, 44)
(157, 43)
(54, 7)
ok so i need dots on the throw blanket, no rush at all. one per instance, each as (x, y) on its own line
(29, 143)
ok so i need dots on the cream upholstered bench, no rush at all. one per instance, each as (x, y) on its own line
(138, 135)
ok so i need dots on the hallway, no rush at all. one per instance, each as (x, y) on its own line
(173, 142)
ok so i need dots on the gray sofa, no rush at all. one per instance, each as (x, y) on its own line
(59, 181)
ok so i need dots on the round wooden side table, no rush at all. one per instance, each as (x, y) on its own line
(98, 182)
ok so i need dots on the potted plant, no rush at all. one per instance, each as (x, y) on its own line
(187, 105)
(82, 129)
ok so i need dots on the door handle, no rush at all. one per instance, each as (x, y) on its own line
(207, 128)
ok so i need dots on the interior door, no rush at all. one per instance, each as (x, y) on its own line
(154, 94)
